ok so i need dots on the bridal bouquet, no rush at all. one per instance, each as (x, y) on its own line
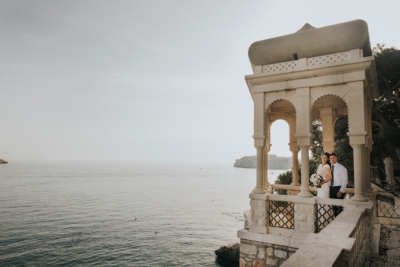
(316, 179)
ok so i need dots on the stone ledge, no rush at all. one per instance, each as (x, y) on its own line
(258, 196)
(246, 234)
(342, 242)
(338, 229)
(326, 256)
(294, 241)
(294, 199)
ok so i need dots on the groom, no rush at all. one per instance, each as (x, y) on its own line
(338, 182)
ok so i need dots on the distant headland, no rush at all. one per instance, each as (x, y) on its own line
(2, 161)
(274, 162)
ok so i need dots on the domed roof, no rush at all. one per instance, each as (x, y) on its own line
(312, 42)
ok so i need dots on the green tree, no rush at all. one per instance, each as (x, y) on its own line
(342, 145)
(386, 109)
(285, 178)
(316, 147)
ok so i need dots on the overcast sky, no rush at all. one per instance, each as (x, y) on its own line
(147, 81)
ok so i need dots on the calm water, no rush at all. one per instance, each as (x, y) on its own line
(81, 214)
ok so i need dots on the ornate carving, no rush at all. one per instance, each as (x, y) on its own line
(314, 61)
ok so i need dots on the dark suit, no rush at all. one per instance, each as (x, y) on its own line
(340, 180)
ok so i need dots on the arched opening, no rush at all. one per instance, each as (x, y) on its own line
(279, 157)
(324, 113)
(282, 151)
(329, 129)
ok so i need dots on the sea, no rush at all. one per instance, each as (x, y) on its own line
(121, 214)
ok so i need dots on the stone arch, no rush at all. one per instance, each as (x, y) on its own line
(273, 97)
(281, 108)
(329, 101)
(285, 110)
(328, 108)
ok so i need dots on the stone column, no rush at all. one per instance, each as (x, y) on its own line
(259, 182)
(365, 171)
(303, 136)
(305, 176)
(327, 118)
(370, 143)
(266, 184)
(369, 149)
(358, 173)
(295, 167)
(363, 174)
(357, 134)
(259, 139)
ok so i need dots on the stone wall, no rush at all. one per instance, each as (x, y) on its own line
(259, 254)
(361, 250)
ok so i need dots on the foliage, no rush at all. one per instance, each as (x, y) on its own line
(386, 109)
(342, 147)
(286, 178)
(316, 148)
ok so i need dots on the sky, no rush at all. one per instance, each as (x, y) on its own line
(147, 81)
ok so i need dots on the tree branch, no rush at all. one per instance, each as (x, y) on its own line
(385, 81)
(380, 125)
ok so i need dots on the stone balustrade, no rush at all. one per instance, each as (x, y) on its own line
(344, 242)
(282, 224)
(312, 62)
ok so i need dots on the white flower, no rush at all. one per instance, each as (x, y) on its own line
(316, 179)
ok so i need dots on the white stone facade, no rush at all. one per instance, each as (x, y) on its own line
(322, 86)
(324, 91)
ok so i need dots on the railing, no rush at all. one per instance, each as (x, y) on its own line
(312, 224)
(282, 211)
(327, 210)
(306, 62)
(325, 215)
(297, 188)
(347, 243)
(281, 214)
(387, 208)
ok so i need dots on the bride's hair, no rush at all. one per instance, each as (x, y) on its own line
(327, 155)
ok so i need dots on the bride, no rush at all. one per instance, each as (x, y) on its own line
(324, 170)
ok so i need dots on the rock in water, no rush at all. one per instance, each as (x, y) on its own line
(230, 252)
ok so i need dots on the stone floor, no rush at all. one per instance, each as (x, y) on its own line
(389, 248)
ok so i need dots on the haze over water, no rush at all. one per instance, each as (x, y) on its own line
(121, 214)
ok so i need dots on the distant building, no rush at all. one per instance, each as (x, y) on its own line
(274, 162)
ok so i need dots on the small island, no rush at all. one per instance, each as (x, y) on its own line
(274, 162)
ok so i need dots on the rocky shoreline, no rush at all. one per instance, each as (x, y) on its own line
(230, 252)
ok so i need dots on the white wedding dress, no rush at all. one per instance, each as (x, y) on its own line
(323, 192)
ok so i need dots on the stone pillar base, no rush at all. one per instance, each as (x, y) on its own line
(359, 198)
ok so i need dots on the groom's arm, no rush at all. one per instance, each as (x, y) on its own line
(345, 179)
